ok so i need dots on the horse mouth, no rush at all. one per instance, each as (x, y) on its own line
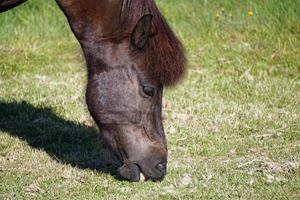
(135, 173)
(131, 172)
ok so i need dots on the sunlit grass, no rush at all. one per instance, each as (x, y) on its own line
(233, 124)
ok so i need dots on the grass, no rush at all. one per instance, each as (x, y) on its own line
(233, 124)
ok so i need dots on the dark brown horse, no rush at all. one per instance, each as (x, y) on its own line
(131, 54)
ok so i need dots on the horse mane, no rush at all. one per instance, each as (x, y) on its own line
(165, 58)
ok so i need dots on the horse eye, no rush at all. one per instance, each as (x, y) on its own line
(149, 91)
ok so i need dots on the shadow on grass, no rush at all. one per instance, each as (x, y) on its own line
(65, 141)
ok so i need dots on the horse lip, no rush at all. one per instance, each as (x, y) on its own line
(130, 172)
(142, 175)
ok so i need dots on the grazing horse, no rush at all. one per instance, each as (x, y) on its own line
(131, 54)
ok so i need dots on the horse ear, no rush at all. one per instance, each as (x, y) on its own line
(141, 33)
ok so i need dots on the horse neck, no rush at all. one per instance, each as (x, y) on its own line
(96, 25)
(93, 20)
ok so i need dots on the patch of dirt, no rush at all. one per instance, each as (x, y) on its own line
(274, 167)
(67, 175)
(33, 189)
(186, 179)
(266, 166)
(169, 189)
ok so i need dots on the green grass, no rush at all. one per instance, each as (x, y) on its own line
(233, 124)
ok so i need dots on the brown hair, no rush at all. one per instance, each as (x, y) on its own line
(164, 53)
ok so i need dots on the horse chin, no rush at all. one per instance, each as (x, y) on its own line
(131, 172)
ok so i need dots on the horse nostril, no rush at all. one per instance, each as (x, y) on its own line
(161, 167)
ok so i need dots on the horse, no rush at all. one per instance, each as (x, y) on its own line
(131, 54)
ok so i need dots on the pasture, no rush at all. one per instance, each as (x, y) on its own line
(232, 124)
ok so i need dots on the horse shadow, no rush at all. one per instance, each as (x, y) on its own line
(67, 142)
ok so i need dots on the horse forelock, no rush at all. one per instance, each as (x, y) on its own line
(164, 54)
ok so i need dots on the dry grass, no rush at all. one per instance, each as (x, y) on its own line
(233, 124)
